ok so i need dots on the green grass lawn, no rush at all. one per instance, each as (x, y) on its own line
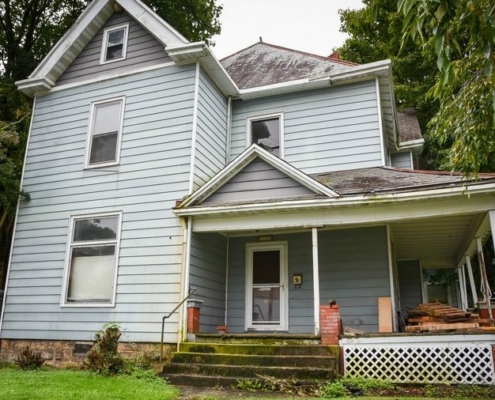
(79, 385)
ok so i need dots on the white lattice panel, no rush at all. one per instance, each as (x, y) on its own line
(421, 364)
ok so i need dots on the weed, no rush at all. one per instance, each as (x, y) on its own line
(353, 386)
(103, 357)
(250, 385)
(29, 359)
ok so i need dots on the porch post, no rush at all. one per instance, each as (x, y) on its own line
(487, 294)
(462, 287)
(316, 280)
(491, 215)
(471, 281)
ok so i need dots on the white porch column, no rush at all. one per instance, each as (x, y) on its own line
(472, 284)
(316, 280)
(487, 294)
(491, 214)
(462, 287)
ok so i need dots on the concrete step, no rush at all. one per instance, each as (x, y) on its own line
(258, 338)
(319, 361)
(259, 349)
(249, 371)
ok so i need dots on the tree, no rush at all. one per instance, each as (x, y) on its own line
(463, 35)
(28, 30)
(378, 37)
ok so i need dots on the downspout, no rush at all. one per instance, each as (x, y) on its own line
(229, 130)
(9, 264)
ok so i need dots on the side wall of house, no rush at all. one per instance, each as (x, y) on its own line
(208, 276)
(411, 292)
(153, 173)
(353, 270)
(211, 131)
(401, 160)
(324, 130)
(143, 50)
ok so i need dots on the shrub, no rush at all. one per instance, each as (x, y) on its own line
(333, 389)
(103, 357)
(29, 359)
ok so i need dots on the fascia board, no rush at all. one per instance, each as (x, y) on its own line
(488, 188)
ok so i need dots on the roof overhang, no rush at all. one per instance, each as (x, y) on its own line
(415, 145)
(78, 36)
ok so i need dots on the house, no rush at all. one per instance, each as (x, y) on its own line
(272, 182)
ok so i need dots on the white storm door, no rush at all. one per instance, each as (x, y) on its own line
(267, 288)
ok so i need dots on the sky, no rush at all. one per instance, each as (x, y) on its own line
(306, 25)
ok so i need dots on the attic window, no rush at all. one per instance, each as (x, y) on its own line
(267, 132)
(114, 46)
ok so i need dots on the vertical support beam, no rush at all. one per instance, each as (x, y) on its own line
(227, 255)
(391, 272)
(462, 287)
(472, 284)
(187, 274)
(487, 294)
(316, 280)
(491, 215)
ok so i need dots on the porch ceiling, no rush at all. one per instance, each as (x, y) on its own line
(438, 242)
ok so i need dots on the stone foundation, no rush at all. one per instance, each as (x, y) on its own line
(65, 353)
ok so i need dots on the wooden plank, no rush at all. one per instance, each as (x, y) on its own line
(385, 322)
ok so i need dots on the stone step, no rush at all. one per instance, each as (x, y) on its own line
(258, 338)
(249, 371)
(259, 349)
(326, 361)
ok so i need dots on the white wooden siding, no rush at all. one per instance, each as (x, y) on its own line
(211, 134)
(258, 181)
(401, 160)
(153, 174)
(142, 50)
(207, 275)
(325, 130)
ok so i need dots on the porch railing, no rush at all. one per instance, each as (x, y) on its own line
(168, 316)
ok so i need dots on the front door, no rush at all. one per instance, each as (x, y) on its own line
(267, 289)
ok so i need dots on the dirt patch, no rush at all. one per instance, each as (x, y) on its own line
(199, 393)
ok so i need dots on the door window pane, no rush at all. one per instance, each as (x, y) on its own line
(266, 305)
(266, 267)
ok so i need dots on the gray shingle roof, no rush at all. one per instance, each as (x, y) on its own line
(408, 125)
(266, 64)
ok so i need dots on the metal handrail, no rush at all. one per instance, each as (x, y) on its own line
(168, 316)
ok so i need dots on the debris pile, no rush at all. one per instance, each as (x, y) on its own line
(439, 317)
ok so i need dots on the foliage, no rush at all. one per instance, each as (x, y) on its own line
(463, 35)
(103, 358)
(29, 359)
(81, 385)
(288, 385)
(250, 385)
(353, 386)
(414, 67)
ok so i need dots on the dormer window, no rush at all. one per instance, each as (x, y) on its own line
(267, 132)
(114, 46)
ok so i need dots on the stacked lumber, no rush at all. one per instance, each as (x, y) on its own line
(439, 317)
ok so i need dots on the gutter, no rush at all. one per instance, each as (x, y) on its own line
(339, 202)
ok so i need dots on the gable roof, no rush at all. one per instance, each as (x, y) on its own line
(246, 157)
(78, 36)
(408, 128)
(266, 64)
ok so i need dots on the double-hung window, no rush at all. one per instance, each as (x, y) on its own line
(114, 46)
(105, 131)
(267, 132)
(91, 269)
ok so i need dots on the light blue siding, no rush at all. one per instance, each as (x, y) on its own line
(208, 276)
(258, 181)
(211, 134)
(353, 270)
(409, 285)
(143, 50)
(401, 160)
(153, 174)
(325, 130)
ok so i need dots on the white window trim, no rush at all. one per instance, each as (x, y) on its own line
(65, 286)
(249, 135)
(87, 165)
(104, 44)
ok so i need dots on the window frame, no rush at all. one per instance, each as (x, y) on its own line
(71, 245)
(249, 135)
(104, 44)
(91, 123)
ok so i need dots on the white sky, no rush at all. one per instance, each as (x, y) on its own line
(307, 25)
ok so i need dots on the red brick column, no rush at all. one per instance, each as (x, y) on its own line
(330, 325)
(193, 316)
